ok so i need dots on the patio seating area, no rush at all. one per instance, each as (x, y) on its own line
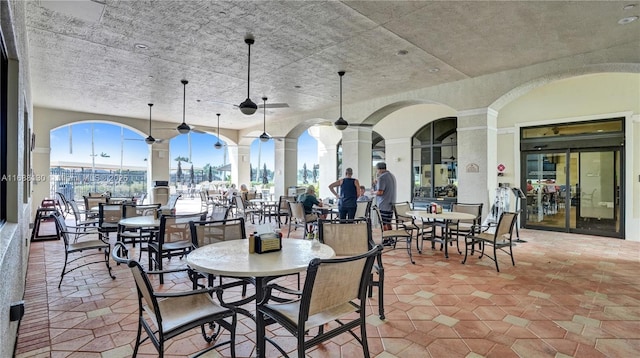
(567, 296)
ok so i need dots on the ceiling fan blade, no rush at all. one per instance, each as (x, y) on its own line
(158, 140)
(274, 105)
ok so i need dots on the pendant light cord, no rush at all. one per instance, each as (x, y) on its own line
(341, 94)
(264, 115)
(248, 69)
(150, 105)
(184, 99)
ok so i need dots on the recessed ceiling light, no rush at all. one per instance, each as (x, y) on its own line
(140, 46)
(402, 52)
(434, 70)
(627, 20)
(629, 7)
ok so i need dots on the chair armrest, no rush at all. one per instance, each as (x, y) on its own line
(209, 290)
(268, 293)
(482, 228)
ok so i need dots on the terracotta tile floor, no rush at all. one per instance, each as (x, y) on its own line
(567, 296)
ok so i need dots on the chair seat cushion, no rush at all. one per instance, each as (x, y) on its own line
(169, 246)
(87, 245)
(180, 311)
(489, 238)
(395, 233)
(291, 311)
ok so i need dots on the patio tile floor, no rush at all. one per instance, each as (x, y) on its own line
(568, 296)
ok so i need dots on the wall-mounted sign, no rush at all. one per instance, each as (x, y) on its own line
(473, 168)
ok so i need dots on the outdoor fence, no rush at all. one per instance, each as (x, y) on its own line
(74, 183)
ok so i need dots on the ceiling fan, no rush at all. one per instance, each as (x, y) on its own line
(149, 140)
(248, 107)
(264, 137)
(184, 128)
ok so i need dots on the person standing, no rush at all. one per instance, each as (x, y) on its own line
(385, 194)
(349, 188)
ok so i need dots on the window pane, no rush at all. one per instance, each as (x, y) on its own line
(423, 136)
(564, 129)
(423, 172)
(443, 129)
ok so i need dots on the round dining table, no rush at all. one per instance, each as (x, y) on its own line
(445, 217)
(138, 222)
(232, 259)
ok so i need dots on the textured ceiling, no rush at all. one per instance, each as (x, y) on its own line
(83, 54)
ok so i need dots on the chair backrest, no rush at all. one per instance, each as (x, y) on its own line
(62, 201)
(133, 210)
(75, 210)
(145, 292)
(505, 226)
(140, 198)
(400, 210)
(173, 199)
(363, 209)
(109, 213)
(283, 203)
(93, 201)
(61, 229)
(346, 237)
(209, 232)
(175, 228)
(297, 211)
(239, 203)
(220, 212)
(474, 209)
(377, 217)
(333, 282)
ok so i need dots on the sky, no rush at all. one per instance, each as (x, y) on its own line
(114, 144)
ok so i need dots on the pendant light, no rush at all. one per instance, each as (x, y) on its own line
(184, 128)
(218, 145)
(264, 137)
(150, 139)
(341, 124)
(248, 107)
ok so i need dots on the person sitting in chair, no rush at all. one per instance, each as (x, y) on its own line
(308, 200)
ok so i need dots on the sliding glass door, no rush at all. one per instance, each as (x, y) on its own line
(576, 190)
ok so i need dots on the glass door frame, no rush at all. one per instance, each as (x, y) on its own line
(619, 197)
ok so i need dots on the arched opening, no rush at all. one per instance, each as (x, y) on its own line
(435, 164)
(97, 157)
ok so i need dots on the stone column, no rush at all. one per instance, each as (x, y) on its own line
(286, 165)
(476, 158)
(158, 166)
(240, 164)
(356, 153)
(328, 138)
